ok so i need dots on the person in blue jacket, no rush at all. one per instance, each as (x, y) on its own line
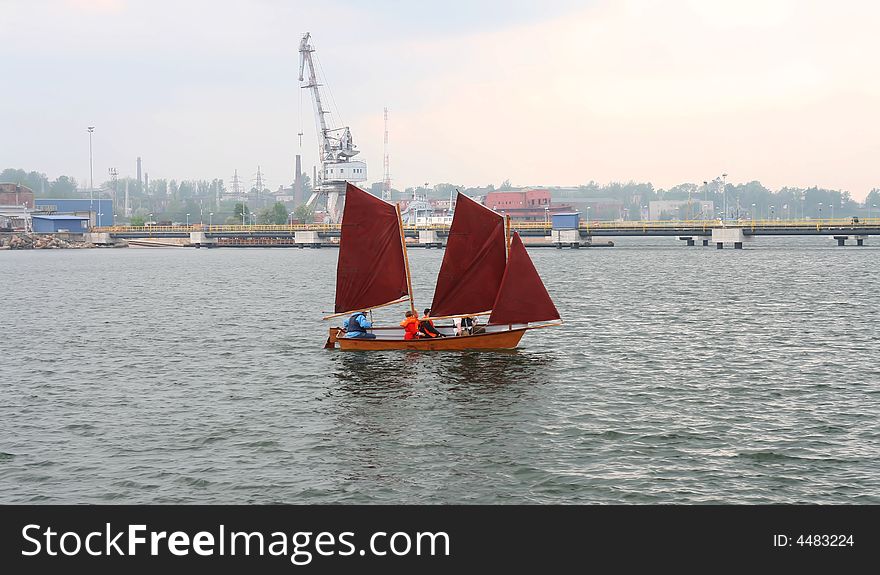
(357, 325)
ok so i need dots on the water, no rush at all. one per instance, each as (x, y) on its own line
(682, 375)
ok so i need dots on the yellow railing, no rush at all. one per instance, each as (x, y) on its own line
(645, 225)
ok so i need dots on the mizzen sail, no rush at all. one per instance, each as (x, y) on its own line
(473, 264)
(371, 270)
(522, 297)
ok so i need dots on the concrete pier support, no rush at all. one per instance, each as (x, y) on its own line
(430, 239)
(201, 239)
(841, 240)
(98, 239)
(721, 236)
(570, 238)
(306, 239)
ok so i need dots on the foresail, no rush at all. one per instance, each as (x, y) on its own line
(522, 297)
(473, 264)
(371, 270)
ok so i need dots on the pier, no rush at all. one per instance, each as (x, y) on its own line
(846, 231)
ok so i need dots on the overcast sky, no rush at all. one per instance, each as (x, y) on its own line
(541, 93)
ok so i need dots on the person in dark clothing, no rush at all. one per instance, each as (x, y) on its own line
(356, 326)
(426, 325)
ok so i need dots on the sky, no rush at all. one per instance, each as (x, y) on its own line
(551, 93)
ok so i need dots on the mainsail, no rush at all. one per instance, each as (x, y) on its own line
(371, 270)
(473, 264)
(522, 297)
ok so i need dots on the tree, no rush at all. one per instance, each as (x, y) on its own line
(277, 214)
(240, 213)
(505, 186)
(63, 187)
(34, 181)
(304, 214)
(137, 221)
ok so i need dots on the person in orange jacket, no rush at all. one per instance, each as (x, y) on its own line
(410, 326)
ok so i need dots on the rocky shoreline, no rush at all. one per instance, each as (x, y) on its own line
(38, 242)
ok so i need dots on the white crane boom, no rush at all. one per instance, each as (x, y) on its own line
(336, 146)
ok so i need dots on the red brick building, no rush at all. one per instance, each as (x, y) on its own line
(16, 195)
(524, 205)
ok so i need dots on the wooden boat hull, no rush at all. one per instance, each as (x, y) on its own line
(507, 339)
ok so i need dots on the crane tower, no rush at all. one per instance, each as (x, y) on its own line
(336, 146)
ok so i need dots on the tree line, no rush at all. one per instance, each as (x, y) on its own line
(195, 200)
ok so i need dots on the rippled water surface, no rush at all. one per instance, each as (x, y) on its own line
(681, 375)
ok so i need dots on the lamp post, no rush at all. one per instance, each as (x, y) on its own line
(546, 216)
(869, 211)
(771, 211)
(645, 212)
(91, 178)
(820, 211)
(187, 219)
(753, 212)
(211, 218)
(724, 192)
(98, 223)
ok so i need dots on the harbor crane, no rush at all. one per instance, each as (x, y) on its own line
(336, 146)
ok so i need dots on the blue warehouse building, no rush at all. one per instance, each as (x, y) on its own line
(98, 211)
(59, 223)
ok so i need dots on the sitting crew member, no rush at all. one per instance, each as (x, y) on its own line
(426, 325)
(357, 325)
(410, 326)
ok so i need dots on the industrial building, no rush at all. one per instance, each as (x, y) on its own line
(525, 205)
(16, 195)
(99, 211)
(54, 224)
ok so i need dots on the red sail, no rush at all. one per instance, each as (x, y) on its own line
(371, 270)
(473, 263)
(522, 297)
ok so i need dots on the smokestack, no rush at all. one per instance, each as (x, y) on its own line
(298, 183)
(140, 180)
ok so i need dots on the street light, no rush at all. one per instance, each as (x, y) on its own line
(820, 210)
(753, 213)
(187, 219)
(771, 211)
(211, 219)
(98, 223)
(91, 178)
(546, 216)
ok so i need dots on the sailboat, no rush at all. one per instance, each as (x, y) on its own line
(485, 272)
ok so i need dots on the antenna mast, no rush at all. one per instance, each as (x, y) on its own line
(386, 184)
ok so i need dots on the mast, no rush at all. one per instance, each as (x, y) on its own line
(507, 231)
(412, 305)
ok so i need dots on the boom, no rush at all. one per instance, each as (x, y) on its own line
(336, 146)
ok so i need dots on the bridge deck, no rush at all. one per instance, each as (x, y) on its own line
(838, 226)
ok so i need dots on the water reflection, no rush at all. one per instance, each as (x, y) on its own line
(482, 372)
(372, 374)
